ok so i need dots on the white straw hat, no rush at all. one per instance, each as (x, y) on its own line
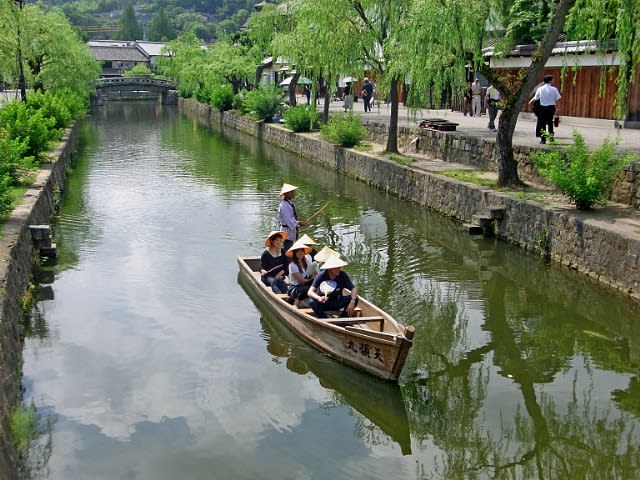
(267, 241)
(286, 188)
(324, 254)
(333, 262)
(307, 240)
(297, 246)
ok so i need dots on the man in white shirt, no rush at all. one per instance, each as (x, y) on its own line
(548, 95)
(492, 97)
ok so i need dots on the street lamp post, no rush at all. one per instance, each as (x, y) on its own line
(22, 84)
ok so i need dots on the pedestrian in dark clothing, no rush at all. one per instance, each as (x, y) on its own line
(367, 92)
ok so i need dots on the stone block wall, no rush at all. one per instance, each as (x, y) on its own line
(477, 152)
(568, 236)
(16, 252)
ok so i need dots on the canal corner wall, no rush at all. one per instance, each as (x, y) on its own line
(582, 241)
(16, 260)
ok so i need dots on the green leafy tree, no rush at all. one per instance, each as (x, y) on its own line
(130, 29)
(160, 28)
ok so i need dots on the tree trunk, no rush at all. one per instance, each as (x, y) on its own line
(392, 139)
(292, 90)
(507, 166)
(325, 108)
(259, 70)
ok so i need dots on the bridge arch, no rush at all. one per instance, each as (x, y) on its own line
(134, 88)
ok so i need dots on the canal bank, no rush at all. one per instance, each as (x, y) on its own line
(602, 244)
(16, 259)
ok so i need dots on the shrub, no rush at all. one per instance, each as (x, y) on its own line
(6, 199)
(22, 123)
(12, 159)
(585, 177)
(222, 97)
(140, 70)
(238, 100)
(300, 118)
(263, 102)
(344, 129)
(51, 106)
(23, 427)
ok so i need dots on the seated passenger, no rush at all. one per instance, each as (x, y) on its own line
(302, 270)
(274, 263)
(326, 290)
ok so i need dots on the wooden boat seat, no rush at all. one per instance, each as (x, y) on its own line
(372, 333)
(352, 321)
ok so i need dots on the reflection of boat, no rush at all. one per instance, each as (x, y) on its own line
(380, 402)
(373, 342)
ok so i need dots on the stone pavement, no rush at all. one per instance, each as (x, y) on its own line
(594, 130)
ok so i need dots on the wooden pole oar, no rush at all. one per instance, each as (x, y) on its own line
(317, 212)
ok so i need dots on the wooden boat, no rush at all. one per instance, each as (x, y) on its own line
(373, 342)
(381, 403)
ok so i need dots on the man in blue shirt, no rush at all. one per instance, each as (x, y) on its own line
(326, 290)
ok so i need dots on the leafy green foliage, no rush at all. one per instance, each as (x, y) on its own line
(130, 29)
(263, 102)
(238, 100)
(160, 28)
(23, 423)
(222, 97)
(344, 129)
(300, 118)
(51, 106)
(585, 177)
(139, 70)
(25, 124)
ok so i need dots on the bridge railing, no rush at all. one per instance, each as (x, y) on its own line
(134, 80)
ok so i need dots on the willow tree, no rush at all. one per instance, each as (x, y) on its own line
(319, 46)
(54, 57)
(371, 29)
(444, 39)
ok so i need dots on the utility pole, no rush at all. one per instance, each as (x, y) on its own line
(22, 84)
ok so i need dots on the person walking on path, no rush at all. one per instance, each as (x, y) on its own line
(288, 216)
(492, 97)
(307, 93)
(468, 98)
(548, 96)
(476, 92)
(348, 98)
(367, 92)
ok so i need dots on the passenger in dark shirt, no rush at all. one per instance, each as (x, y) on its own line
(274, 263)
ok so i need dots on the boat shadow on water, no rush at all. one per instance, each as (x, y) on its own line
(379, 401)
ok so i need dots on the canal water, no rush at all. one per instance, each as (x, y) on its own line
(146, 359)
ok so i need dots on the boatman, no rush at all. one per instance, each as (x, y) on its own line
(287, 215)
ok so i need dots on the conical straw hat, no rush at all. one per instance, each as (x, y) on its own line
(324, 254)
(296, 246)
(333, 262)
(307, 240)
(267, 241)
(286, 188)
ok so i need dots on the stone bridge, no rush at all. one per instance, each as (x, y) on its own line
(134, 88)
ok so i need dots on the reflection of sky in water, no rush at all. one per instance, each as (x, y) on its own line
(156, 365)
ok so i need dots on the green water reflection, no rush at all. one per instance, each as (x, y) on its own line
(520, 369)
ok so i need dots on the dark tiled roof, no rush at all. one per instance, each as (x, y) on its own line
(118, 54)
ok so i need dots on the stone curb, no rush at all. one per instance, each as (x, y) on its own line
(16, 254)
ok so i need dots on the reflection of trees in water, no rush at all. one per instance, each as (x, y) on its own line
(542, 440)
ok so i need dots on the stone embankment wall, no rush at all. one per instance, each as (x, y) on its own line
(482, 153)
(564, 235)
(16, 253)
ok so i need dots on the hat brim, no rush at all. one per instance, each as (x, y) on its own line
(267, 241)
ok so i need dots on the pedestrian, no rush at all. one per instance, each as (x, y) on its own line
(467, 96)
(476, 93)
(288, 216)
(367, 92)
(547, 95)
(492, 98)
(307, 93)
(348, 98)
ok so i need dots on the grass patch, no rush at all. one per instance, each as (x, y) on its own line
(402, 160)
(363, 147)
(470, 176)
(537, 196)
(23, 423)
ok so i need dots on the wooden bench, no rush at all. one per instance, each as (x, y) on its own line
(344, 322)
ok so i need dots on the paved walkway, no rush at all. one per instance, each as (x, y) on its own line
(594, 130)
